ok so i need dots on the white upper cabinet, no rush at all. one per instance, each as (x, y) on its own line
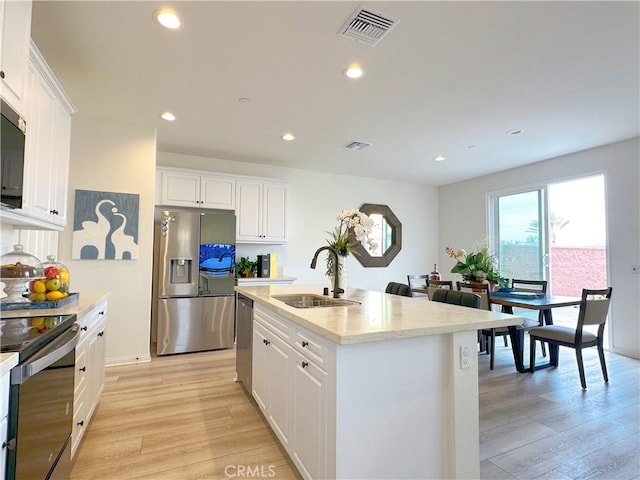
(185, 189)
(261, 208)
(47, 145)
(15, 25)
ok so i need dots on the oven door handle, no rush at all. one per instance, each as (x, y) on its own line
(49, 355)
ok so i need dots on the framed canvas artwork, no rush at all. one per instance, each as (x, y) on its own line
(105, 226)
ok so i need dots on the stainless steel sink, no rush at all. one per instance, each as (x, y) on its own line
(309, 300)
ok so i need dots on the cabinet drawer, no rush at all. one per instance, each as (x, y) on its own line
(96, 314)
(278, 325)
(311, 346)
(81, 370)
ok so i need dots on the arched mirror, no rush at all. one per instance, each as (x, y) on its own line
(386, 233)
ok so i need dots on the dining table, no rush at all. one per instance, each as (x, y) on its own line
(532, 301)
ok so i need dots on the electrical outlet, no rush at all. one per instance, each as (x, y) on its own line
(465, 356)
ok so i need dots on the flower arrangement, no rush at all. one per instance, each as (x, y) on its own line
(353, 227)
(478, 265)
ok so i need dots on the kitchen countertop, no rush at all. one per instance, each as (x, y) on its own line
(281, 278)
(378, 317)
(86, 301)
(7, 362)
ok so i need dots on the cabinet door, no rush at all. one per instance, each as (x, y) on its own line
(280, 360)
(309, 420)
(249, 211)
(60, 174)
(39, 148)
(274, 220)
(15, 22)
(95, 365)
(3, 448)
(217, 192)
(180, 189)
(259, 366)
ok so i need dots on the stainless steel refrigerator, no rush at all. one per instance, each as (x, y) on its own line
(195, 262)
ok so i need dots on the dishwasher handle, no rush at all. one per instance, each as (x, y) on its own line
(49, 355)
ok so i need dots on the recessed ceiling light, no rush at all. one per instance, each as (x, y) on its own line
(471, 146)
(288, 137)
(439, 158)
(244, 100)
(167, 18)
(515, 131)
(168, 116)
(354, 71)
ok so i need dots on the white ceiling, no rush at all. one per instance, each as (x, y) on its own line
(447, 76)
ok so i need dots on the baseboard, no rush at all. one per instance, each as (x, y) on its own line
(626, 352)
(127, 360)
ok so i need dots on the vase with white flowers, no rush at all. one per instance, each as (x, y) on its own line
(354, 227)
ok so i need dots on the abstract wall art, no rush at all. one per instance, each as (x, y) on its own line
(105, 226)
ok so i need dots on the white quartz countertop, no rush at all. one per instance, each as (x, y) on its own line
(7, 362)
(281, 278)
(86, 301)
(378, 316)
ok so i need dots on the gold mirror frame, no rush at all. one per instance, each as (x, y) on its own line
(362, 254)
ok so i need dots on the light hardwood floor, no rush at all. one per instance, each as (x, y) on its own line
(182, 417)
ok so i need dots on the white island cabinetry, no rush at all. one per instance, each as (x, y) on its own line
(377, 388)
(7, 362)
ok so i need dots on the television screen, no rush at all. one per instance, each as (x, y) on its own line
(217, 260)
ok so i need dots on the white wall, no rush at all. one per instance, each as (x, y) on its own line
(463, 220)
(316, 198)
(115, 157)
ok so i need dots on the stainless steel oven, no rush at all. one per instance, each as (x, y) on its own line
(41, 396)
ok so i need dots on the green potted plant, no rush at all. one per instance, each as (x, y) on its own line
(246, 268)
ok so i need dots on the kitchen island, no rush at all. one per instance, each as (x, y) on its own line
(383, 388)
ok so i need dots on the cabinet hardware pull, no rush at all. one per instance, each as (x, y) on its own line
(267, 342)
(101, 312)
(81, 423)
(2, 76)
(101, 333)
(11, 444)
(83, 369)
(305, 343)
(84, 329)
(304, 364)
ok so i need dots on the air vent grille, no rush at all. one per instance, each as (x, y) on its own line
(358, 145)
(367, 26)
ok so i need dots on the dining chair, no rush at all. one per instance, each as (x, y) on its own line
(396, 288)
(594, 307)
(453, 297)
(486, 338)
(418, 281)
(531, 286)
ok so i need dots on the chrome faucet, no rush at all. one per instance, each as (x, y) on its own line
(337, 291)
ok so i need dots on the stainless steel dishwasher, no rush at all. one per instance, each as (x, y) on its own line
(244, 341)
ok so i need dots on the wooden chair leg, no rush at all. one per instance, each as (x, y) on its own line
(583, 381)
(544, 349)
(532, 354)
(603, 365)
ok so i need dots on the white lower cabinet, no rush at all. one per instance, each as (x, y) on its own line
(4, 411)
(290, 387)
(273, 360)
(309, 418)
(90, 365)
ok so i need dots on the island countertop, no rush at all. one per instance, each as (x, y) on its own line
(378, 316)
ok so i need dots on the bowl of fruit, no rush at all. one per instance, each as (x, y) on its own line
(54, 285)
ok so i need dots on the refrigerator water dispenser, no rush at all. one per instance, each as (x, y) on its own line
(181, 269)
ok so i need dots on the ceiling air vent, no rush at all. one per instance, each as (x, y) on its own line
(358, 145)
(367, 26)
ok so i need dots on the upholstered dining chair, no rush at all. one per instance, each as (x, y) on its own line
(594, 308)
(465, 299)
(532, 286)
(396, 288)
(486, 338)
